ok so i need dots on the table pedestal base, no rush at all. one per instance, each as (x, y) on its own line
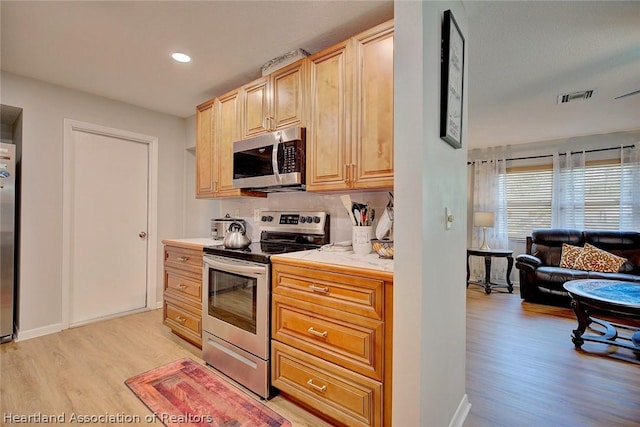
(609, 335)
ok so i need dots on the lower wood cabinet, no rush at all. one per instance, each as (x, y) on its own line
(182, 311)
(331, 340)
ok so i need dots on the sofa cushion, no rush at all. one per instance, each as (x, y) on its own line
(569, 255)
(556, 276)
(614, 276)
(547, 243)
(594, 259)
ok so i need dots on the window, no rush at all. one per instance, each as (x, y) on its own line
(529, 192)
(528, 200)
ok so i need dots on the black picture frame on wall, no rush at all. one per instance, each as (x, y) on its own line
(451, 81)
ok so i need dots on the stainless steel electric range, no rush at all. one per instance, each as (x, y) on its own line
(236, 302)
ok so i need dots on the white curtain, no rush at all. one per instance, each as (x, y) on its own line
(567, 202)
(630, 188)
(490, 195)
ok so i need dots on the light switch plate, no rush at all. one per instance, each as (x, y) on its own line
(448, 219)
(256, 214)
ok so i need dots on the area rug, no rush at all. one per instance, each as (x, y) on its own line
(185, 393)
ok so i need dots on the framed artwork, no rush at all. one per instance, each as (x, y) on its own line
(451, 81)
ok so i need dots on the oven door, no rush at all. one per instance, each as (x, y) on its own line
(235, 303)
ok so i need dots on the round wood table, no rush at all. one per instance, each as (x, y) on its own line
(487, 254)
(612, 297)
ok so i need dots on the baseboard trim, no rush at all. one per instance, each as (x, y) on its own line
(38, 332)
(461, 413)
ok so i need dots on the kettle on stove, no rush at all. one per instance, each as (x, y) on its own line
(236, 237)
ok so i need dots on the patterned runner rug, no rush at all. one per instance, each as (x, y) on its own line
(185, 393)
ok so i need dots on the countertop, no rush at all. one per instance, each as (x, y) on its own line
(348, 259)
(343, 258)
(195, 243)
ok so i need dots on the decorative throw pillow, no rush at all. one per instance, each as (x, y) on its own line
(594, 259)
(569, 255)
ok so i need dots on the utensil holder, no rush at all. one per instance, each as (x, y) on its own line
(361, 239)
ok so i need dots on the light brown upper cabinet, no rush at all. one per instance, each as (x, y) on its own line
(205, 171)
(218, 126)
(274, 102)
(350, 131)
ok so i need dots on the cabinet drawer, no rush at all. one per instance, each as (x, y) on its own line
(352, 294)
(349, 398)
(183, 285)
(351, 341)
(183, 259)
(182, 321)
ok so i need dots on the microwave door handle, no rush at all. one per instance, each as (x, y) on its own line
(274, 157)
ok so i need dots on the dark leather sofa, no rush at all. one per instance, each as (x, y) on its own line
(541, 278)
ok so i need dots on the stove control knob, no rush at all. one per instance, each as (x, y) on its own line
(316, 219)
(303, 219)
(264, 218)
(269, 218)
(309, 219)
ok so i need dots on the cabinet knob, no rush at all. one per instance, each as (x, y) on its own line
(183, 259)
(142, 234)
(180, 319)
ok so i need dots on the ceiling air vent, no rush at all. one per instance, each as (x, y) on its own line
(574, 96)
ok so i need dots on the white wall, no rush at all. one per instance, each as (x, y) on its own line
(429, 263)
(45, 108)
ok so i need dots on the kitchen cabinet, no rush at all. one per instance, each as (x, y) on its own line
(331, 339)
(275, 101)
(350, 132)
(182, 305)
(217, 127)
(205, 169)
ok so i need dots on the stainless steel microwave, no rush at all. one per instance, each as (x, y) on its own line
(271, 162)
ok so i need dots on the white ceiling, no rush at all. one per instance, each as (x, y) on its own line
(522, 54)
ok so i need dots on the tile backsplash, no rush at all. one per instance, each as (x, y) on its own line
(340, 226)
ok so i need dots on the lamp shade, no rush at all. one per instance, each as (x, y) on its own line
(483, 219)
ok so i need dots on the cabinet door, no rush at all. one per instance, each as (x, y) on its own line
(372, 148)
(205, 172)
(328, 132)
(226, 134)
(255, 108)
(287, 96)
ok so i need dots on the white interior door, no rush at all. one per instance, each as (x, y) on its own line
(107, 225)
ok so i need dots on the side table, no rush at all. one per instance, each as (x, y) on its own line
(488, 254)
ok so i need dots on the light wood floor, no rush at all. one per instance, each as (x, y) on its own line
(522, 369)
(82, 370)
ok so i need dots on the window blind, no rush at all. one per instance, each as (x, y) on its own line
(529, 193)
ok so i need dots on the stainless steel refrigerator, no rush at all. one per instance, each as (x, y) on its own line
(7, 239)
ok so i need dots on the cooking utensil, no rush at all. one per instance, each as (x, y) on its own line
(346, 202)
(236, 238)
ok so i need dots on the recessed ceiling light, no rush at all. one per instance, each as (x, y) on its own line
(181, 57)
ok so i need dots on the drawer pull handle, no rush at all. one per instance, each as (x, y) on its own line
(182, 286)
(183, 259)
(318, 289)
(320, 389)
(312, 331)
(180, 319)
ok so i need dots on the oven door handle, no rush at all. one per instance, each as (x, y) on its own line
(235, 267)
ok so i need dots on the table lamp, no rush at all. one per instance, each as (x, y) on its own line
(484, 220)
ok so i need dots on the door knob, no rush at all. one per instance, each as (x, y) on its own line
(142, 234)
